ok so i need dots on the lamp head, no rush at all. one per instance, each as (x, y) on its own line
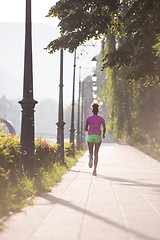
(94, 62)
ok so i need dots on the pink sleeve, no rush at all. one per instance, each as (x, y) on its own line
(102, 119)
(87, 118)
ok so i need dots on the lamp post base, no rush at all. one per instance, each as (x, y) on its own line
(60, 141)
(27, 137)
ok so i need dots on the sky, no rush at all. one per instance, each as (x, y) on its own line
(13, 11)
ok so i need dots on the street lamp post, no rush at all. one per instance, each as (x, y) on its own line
(94, 62)
(27, 103)
(78, 115)
(82, 116)
(84, 103)
(72, 130)
(94, 79)
(60, 123)
(83, 107)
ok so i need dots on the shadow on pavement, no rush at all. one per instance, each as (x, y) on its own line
(68, 204)
(123, 181)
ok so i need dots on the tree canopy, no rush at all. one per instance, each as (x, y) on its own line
(139, 26)
(140, 48)
(82, 20)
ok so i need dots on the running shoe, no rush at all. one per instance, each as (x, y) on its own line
(90, 161)
(94, 173)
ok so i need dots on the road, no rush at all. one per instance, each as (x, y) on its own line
(121, 203)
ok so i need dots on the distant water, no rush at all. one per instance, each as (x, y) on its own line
(55, 140)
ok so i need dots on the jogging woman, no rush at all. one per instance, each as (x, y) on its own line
(93, 126)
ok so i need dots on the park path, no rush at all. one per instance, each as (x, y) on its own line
(121, 203)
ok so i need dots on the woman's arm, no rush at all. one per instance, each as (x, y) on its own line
(104, 129)
(86, 126)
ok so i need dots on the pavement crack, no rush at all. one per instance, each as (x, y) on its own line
(52, 206)
(148, 201)
(121, 210)
(85, 210)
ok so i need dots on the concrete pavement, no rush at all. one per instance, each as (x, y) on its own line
(121, 203)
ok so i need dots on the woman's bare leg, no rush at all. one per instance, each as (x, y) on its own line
(90, 148)
(97, 145)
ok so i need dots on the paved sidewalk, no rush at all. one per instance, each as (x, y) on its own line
(121, 203)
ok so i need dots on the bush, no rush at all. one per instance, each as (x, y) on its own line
(44, 152)
(9, 152)
(68, 149)
(4, 185)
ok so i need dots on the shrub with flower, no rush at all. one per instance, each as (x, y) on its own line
(68, 149)
(44, 152)
(9, 152)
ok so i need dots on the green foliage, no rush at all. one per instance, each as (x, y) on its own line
(48, 176)
(4, 185)
(82, 20)
(132, 109)
(70, 161)
(14, 193)
(68, 149)
(44, 152)
(149, 117)
(142, 22)
(9, 152)
(136, 20)
(120, 97)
